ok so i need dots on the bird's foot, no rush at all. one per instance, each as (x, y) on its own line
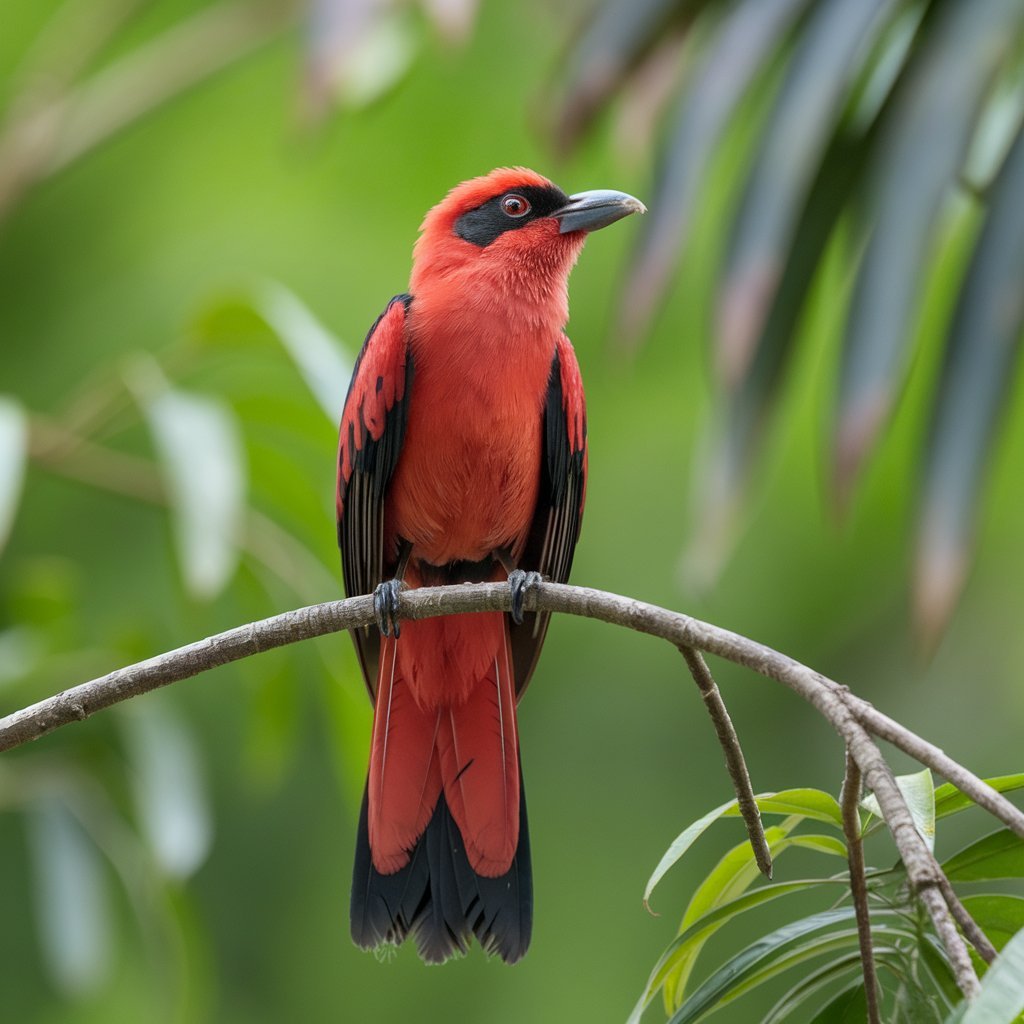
(520, 582)
(385, 607)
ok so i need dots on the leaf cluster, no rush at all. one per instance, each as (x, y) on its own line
(916, 980)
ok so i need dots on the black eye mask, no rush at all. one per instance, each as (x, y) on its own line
(484, 224)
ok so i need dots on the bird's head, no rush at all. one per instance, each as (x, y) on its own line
(512, 233)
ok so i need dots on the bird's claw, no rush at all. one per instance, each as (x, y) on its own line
(385, 607)
(520, 582)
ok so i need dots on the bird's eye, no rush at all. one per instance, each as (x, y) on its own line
(515, 206)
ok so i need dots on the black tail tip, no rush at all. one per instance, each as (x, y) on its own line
(439, 899)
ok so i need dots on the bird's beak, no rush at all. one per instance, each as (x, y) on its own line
(588, 211)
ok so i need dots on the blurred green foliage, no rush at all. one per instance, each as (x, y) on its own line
(143, 269)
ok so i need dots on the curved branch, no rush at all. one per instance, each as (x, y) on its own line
(854, 719)
(333, 616)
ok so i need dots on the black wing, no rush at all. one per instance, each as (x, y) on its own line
(563, 484)
(369, 443)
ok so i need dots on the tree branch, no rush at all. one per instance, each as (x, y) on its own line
(850, 716)
(734, 760)
(849, 800)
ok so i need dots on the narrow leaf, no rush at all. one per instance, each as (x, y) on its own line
(786, 947)
(998, 855)
(72, 908)
(821, 72)
(170, 798)
(999, 916)
(203, 462)
(741, 427)
(848, 1007)
(318, 354)
(949, 799)
(751, 32)
(733, 875)
(981, 351)
(1002, 989)
(936, 961)
(813, 983)
(923, 147)
(703, 927)
(614, 40)
(919, 793)
(681, 844)
(810, 803)
(13, 457)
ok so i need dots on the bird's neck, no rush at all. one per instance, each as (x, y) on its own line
(498, 306)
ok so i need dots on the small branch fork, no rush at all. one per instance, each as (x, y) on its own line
(854, 719)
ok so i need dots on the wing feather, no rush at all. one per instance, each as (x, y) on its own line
(559, 513)
(369, 443)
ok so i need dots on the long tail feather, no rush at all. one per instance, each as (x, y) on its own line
(440, 899)
(443, 849)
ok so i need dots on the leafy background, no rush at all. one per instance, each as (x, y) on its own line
(188, 858)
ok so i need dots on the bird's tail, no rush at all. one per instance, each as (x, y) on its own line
(443, 847)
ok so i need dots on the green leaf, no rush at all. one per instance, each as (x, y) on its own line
(809, 803)
(818, 81)
(170, 797)
(814, 982)
(728, 879)
(919, 793)
(1001, 998)
(204, 465)
(822, 844)
(71, 900)
(999, 916)
(981, 351)
(998, 855)
(703, 927)
(318, 355)
(949, 799)
(930, 125)
(850, 1006)
(681, 844)
(733, 875)
(933, 956)
(786, 947)
(13, 457)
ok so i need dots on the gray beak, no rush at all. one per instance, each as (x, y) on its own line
(588, 211)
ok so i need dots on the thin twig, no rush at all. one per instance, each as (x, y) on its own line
(734, 760)
(974, 935)
(928, 754)
(849, 799)
(956, 948)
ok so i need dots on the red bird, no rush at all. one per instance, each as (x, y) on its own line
(462, 458)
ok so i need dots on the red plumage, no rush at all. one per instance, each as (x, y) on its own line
(462, 455)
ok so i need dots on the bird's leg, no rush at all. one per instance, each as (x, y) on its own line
(519, 581)
(385, 595)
